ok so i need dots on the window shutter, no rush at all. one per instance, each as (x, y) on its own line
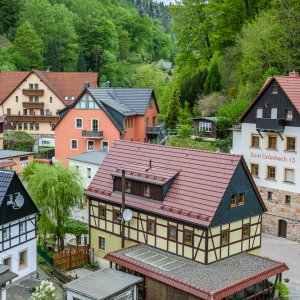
(289, 175)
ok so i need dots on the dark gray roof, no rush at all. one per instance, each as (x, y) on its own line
(12, 153)
(102, 284)
(212, 277)
(128, 101)
(6, 275)
(6, 177)
(236, 127)
(206, 118)
(91, 157)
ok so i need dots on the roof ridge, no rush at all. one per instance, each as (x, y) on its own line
(181, 148)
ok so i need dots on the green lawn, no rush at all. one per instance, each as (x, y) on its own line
(191, 144)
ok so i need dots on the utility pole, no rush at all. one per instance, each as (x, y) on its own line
(123, 208)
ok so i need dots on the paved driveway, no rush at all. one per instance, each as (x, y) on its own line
(286, 251)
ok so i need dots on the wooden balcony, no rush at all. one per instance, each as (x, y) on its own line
(92, 134)
(267, 124)
(32, 118)
(33, 105)
(33, 92)
(153, 129)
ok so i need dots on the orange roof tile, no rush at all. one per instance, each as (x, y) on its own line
(290, 85)
(62, 84)
(196, 192)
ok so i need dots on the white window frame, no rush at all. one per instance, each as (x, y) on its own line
(89, 173)
(285, 175)
(26, 259)
(274, 113)
(92, 119)
(205, 127)
(23, 225)
(259, 115)
(71, 144)
(4, 238)
(76, 123)
(10, 257)
(107, 145)
(87, 145)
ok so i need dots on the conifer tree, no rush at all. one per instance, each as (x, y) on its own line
(52, 57)
(27, 48)
(173, 110)
(81, 65)
(213, 80)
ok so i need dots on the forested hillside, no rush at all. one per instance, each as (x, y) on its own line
(227, 49)
(113, 36)
(223, 50)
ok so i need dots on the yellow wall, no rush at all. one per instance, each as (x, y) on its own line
(136, 232)
(18, 168)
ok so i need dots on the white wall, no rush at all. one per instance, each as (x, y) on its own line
(82, 168)
(19, 244)
(279, 158)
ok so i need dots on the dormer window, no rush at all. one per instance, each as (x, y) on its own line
(66, 98)
(128, 186)
(274, 89)
(146, 192)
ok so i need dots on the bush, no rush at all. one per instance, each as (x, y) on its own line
(185, 131)
(18, 141)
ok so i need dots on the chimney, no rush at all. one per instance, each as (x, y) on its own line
(86, 84)
(294, 74)
(47, 68)
(107, 84)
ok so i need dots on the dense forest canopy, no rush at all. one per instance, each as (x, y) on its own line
(109, 36)
(223, 50)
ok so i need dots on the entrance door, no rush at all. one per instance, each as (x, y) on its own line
(282, 228)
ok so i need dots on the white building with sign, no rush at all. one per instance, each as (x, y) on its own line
(269, 139)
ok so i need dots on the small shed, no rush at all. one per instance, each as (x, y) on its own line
(205, 126)
(104, 284)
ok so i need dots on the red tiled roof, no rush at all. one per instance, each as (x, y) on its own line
(196, 191)
(290, 86)
(7, 163)
(9, 81)
(191, 288)
(62, 84)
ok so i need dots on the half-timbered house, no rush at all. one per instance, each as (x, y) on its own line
(17, 226)
(200, 206)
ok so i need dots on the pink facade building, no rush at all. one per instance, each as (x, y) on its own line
(100, 116)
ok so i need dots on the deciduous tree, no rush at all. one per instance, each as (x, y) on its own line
(55, 190)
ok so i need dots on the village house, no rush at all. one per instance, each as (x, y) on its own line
(15, 160)
(30, 99)
(269, 139)
(17, 226)
(102, 115)
(87, 164)
(192, 224)
(205, 127)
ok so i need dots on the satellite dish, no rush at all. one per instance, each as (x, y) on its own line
(19, 201)
(127, 214)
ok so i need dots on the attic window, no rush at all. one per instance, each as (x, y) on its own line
(274, 89)
(237, 199)
(72, 98)
(146, 192)
(66, 98)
